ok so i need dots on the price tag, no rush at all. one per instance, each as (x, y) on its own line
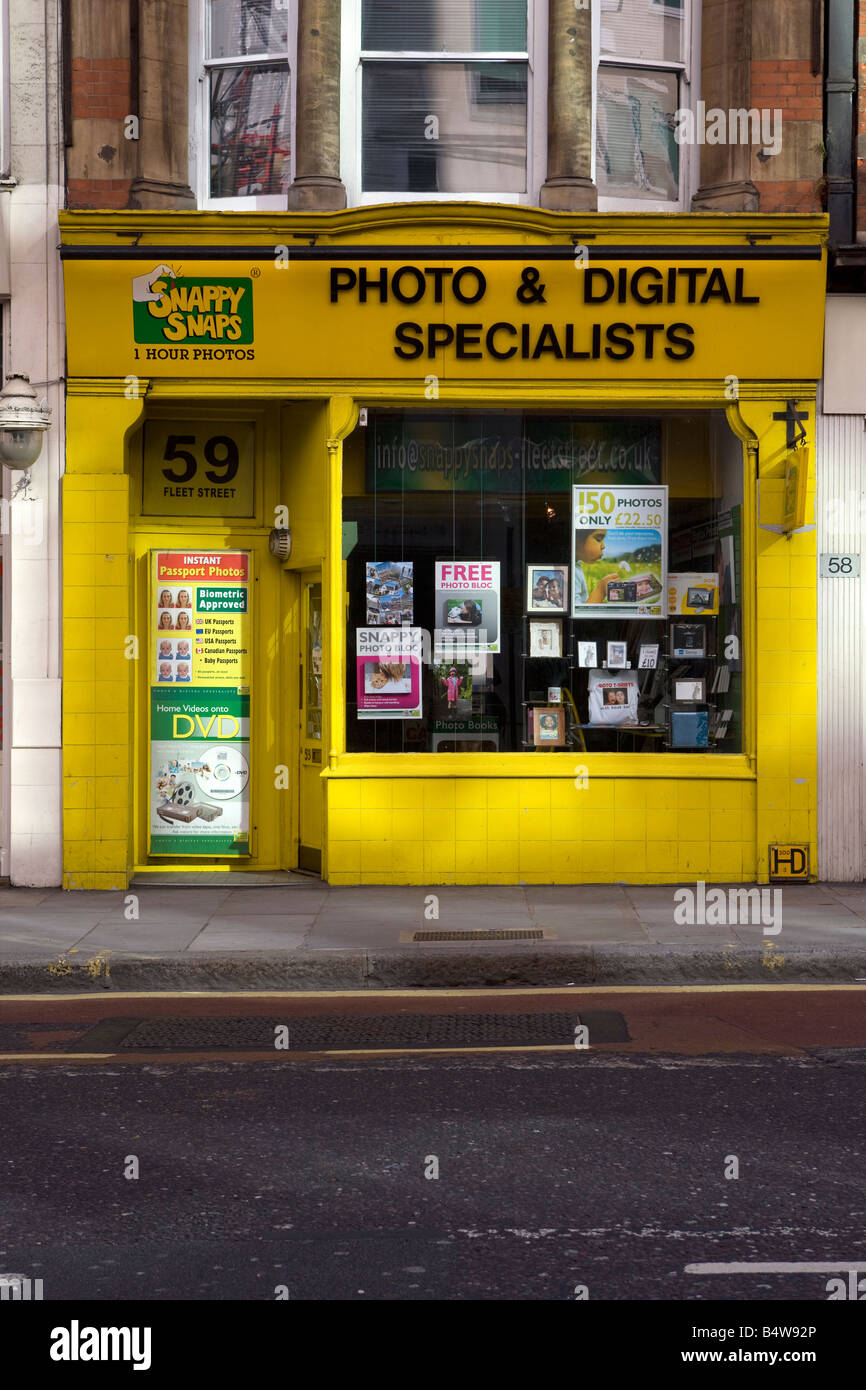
(839, 566)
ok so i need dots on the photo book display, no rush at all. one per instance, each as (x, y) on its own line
(545, 637)
(547, 589)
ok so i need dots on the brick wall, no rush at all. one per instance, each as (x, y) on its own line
(792, 180)
(101, 88)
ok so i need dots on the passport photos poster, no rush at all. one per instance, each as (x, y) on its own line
(619, 552)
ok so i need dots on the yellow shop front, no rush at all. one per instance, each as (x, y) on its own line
(440, 544)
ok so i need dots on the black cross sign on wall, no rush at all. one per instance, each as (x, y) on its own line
(793, 416)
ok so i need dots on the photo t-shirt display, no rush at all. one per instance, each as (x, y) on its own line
(613, 697)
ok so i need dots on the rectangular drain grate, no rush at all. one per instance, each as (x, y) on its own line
(529, 934)
(346, 1033)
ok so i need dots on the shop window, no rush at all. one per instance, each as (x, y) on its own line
(525, 582)
(444, 94)
(246, 112)
(644, 52)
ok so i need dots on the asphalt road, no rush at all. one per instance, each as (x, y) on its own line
(541, 1172)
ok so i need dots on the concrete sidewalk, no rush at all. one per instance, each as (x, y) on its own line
(307, 935)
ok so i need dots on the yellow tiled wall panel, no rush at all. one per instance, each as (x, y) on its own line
(535, 831)
(96, 686)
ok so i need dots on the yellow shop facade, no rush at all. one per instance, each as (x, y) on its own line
(440, 544)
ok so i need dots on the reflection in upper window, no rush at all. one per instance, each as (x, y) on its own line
(242, 28)
(444, 26)
(644, 30)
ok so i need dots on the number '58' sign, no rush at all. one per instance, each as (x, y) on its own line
(198, 467)
(832, 565)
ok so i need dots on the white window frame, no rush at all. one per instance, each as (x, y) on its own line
(351, 114)
(199, 112)
(689, 70)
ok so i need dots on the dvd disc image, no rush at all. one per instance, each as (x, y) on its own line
(224, 773)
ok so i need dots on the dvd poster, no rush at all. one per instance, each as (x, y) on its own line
(390, 593)
(388, 672)
(619, 552)
(467, 605)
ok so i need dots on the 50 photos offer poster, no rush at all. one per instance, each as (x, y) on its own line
(619, 554)
(199, 703)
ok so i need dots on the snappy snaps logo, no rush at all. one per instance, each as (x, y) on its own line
(172, 309)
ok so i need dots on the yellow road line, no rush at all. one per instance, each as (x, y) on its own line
(607, 1049)
(421, 993)
(274, 1056)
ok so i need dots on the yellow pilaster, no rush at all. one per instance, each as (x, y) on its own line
(784, 675)
(99, 647)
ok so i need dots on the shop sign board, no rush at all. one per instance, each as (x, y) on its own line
(610, 319)
(195, 468)
(199, 703)
(619, 552)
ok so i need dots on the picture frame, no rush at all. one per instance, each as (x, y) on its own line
(547, 589)
(587, 655)
(554, 694)
(545, 637)
(617, 656)
(548, 726)
(688, 640)
(690, 690)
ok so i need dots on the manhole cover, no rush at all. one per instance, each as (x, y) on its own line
(338, 1033)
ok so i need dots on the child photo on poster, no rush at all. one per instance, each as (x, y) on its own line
(619, 551)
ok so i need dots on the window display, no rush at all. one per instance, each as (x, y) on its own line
(570, 582)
